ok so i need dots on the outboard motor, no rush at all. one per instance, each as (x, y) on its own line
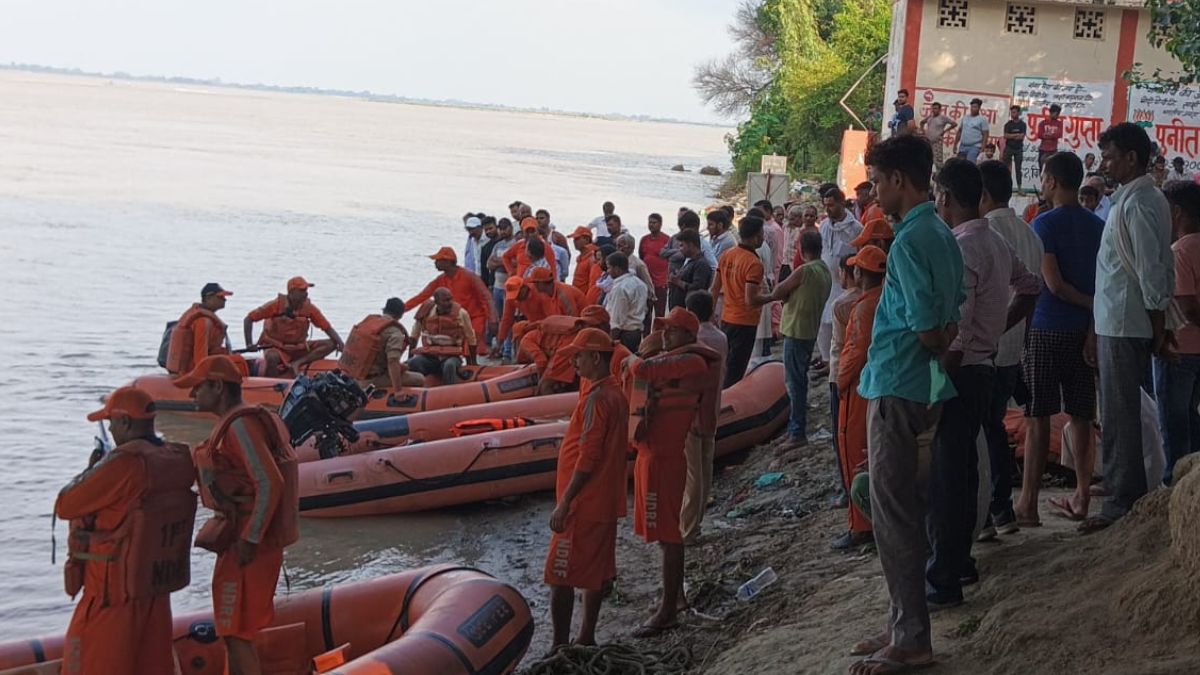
(322, 406)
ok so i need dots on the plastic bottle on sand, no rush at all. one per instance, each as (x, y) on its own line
(755, 586)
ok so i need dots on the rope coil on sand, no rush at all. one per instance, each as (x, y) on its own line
(612, 659)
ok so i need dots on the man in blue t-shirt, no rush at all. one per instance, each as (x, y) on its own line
(1056, 371)
(904, 120)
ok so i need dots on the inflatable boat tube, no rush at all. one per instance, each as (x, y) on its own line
(435, 620)
(268, 391)
(486, 466)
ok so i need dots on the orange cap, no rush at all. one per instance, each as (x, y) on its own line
(127, 401)
(679, 318)
(445, 253)
(876, 229)
(217, 367)
(870, 258)
(298, 284)
(594, 315)
(581, 232)
(529, 224)
(589, 340)
(512, 287)
(541, 274)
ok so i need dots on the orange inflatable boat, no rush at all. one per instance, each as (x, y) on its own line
(486, 466)
(434, 621)
(485, 387)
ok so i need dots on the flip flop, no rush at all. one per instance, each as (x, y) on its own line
(881, 665)
(1061, 506)
(650, 630)
(868, 647)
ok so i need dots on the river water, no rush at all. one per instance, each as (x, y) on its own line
(119, 200)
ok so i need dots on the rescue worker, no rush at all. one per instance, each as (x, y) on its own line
(131, 516)
(249, 478)
(199, 332)
(517, 260)
(599, 288)
(587, 262)
(570, 301)
(441, 334)
(466, 287)
(287, 320)
(667, 386)
(869, 268)
(589, 491)
(543, 341)
(535, 298)
(375, 350)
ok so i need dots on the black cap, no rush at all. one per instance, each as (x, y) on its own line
(212, 288)
(394, 306)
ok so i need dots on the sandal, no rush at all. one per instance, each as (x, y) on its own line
(1061, 506)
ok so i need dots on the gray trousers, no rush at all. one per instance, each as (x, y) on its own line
(899, 435)
(1123, 363)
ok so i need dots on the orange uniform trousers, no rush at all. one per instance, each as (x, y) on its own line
(132, 637)
(244, 597)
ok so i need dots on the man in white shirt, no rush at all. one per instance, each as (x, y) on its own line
(474, 228)
(1178, 172)
(997, 190)
(598, 223)
(839, 229)
(625, 244)
(719, 234)
(1135, 283)
(1105, 205)
(626, 302)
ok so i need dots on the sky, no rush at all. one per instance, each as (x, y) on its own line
(598, 56)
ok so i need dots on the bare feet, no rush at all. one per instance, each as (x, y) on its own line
(871, 644)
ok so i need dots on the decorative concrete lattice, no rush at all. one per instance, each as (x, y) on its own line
(1089, 24)
(1020, 19)
(952, 13)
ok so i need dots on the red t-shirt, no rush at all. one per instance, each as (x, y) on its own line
(648, 251)
(1049, 131)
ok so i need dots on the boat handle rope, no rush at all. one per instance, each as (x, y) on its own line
(388, 463)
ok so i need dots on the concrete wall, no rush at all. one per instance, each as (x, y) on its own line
(985, 58)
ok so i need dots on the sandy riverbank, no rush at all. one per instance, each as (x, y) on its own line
(1050, 601)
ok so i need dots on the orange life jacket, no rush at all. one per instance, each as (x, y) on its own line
(284, 529)
(364, 345)
(442, 326)
(149, 553)
(482, 426)
(285, 330)
(179, 353)
(657, 403)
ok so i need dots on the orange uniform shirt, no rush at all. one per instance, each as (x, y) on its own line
(467, 289)
(516, 260)
(873, 212)
(852, 411)
(537, 306)
(583, 279)
(738, 267)
(597, 443)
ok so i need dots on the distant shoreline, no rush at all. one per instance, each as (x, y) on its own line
(362, 94)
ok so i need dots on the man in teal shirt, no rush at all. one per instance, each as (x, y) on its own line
(906, 385)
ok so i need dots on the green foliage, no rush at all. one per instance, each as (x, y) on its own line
(1175, 28)
(823, 46)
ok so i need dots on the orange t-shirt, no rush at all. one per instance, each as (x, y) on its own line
(467, 289)
(597, 443)
(516, 260)
(738, 267)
